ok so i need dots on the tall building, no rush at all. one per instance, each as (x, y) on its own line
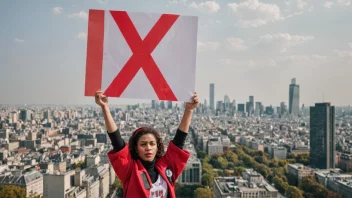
(283, 108)
(25, 115)
(154, 104)
(250, 105)
(257, 110)
(322, 136)
(240, 107)
(169, 104)
(227, 102)
(162, 105)
(211, 96)
(294, 97)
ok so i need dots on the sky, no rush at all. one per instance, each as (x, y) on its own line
(244, 47)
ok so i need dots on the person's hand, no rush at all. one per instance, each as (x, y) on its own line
(190, 106)
(101, 99)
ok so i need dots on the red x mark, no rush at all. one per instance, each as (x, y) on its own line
(141, 57)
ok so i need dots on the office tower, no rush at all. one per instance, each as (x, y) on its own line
(227, 102)
(153, 104)
(240, 107)
(169, 104)
(322, 136)
(233, 105)
(283, 108)
(258, 106)
(250, 108)
(211, 98)
(162, 105)
(294, 97)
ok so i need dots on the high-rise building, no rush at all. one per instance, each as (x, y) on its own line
(227, 102)
(250, 108)
(169, 104)
(322, 136)
(211, 96)
(25, 115)
(162, 105)
(240, 107)
(257, 111)
(294, 97)
(283, 108)
(154, 104)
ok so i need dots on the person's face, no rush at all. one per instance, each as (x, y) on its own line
(147, 147)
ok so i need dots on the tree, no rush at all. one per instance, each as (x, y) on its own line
(207, 179)
(202, 154)
(294, 192)
(118, 185)
(274, 163)
(12, 191)
(221, 163)
(238, 170)
(185, 190)
(312, 188)
(282, 163)
(203, 193)
(33, 195)
(280, 184)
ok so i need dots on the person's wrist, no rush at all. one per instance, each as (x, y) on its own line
(104, 107)
(189, 110)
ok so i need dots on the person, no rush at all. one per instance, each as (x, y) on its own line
(143, 167)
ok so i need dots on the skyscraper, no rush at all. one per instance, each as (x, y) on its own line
(322, 136)
(153, 104)
(250, 106)
(169, 104)
(211, 98)
(227, 102)
(294, 97)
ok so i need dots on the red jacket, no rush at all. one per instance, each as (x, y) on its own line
(129, 171)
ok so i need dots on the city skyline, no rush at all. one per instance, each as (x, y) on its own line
(246, 48)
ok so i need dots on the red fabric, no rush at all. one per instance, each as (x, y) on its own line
(129, 170)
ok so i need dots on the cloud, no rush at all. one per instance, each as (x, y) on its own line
(235, 44)
(209, 45)
(297, 7)
(17, 40)
(252, 13)
(102, 1)
(178, 2)
(350, 45)
(208, 6)
(328, 4)
(301, 4)
(81, 15)
(344, 2)
(296, 58)
(294, 14)
(283, 41)
(82, 35)
(343, 54)
(57, 10)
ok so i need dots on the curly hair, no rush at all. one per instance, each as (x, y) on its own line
(132, 143)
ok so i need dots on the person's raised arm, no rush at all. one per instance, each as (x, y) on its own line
(181, 134)
(113, 132)
(187, 115)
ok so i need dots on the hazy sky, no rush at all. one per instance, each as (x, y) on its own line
(245, 47)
